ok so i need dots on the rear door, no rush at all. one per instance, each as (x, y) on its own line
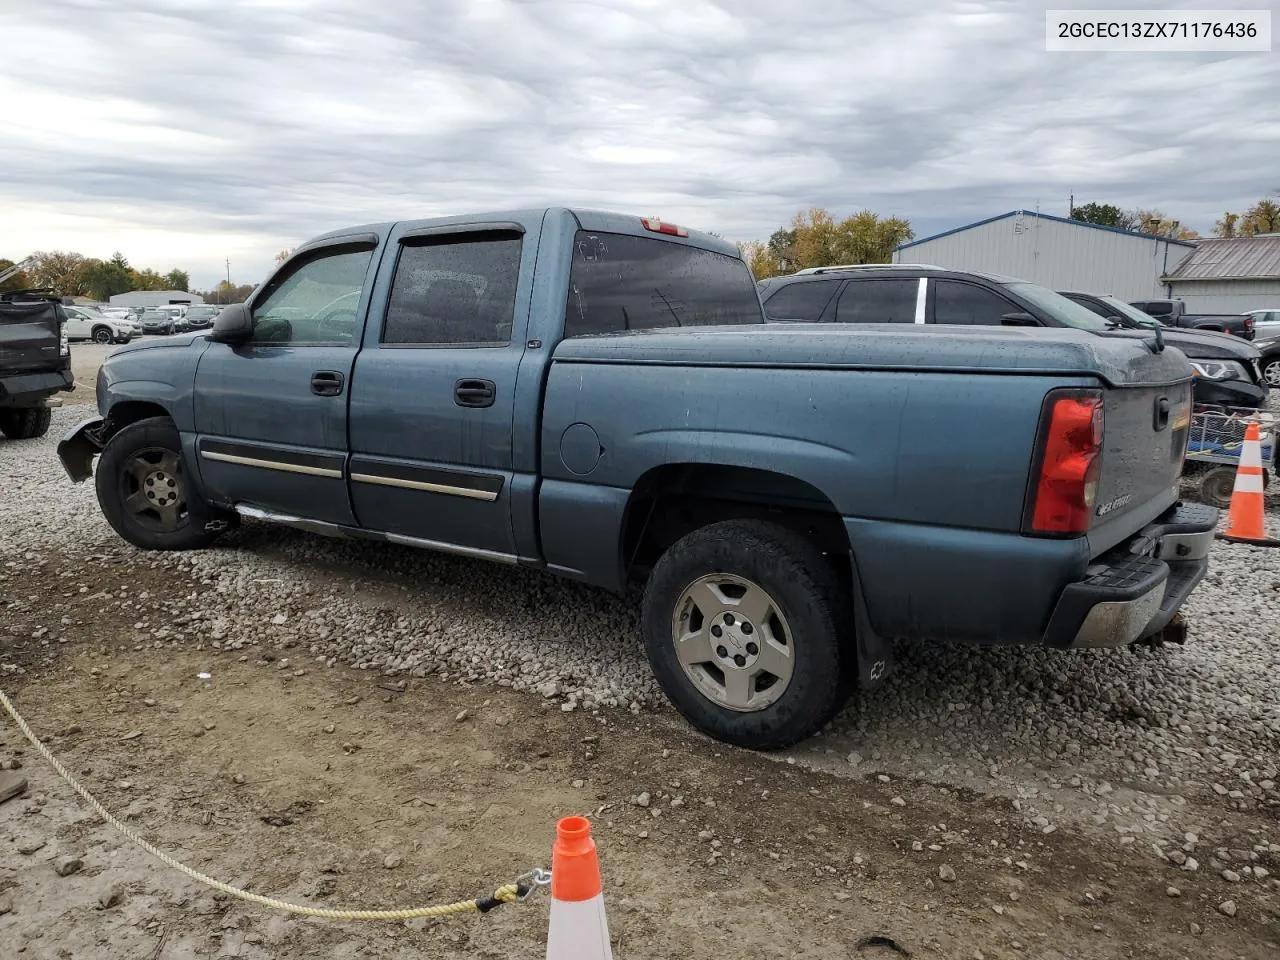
(881, 300)
(433, 393)
(271, 414)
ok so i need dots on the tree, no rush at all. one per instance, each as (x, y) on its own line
(1160, 224)
(226, 292)
(1103, 214)
(146, 279)
(1226, 227)
(816, 239)
(59, 270)
(119, 260)
(177, 280)
(19, 281)
(103, 279)
(1262, 217)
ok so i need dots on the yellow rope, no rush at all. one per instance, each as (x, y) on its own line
(507, 893)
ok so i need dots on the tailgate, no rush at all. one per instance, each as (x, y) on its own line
(1145, 431)
(30, 337)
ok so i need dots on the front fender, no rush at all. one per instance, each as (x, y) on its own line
(79, 446)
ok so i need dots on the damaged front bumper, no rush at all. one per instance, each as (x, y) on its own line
(79, 446)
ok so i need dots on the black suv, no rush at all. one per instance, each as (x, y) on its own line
(1227, 371)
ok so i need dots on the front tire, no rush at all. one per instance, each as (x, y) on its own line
(744, 624)
(145, 494)
(102, 335)
(25, 424)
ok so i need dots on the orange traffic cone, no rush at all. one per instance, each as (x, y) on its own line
(1246, 522)
(579, 930)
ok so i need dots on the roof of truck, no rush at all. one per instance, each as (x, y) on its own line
(589, 219)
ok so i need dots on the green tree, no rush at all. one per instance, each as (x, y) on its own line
(1103, 214)
(177, 280)
(119, 260)
(816, 239)
(1226, 227)
(147, 279)
(103, 279)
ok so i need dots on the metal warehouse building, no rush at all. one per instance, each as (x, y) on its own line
(155, 298)
(1056, 252)
(1233, 275)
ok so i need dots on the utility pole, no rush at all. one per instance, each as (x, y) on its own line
(1071, 204)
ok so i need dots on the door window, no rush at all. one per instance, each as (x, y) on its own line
(315, 302)
(878, 301)
(965, 303)
(801, 301)
(459, 289)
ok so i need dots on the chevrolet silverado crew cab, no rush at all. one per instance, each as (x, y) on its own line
(598, 396)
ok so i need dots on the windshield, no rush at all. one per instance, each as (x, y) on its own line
(1130, 315)
(1057, 307)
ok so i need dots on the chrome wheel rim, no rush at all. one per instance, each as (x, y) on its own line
(154, 491)
(733, 642)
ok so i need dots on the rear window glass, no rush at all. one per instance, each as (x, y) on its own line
(620, 282)
(801, 301)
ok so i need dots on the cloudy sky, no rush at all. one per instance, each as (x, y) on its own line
(185, 132)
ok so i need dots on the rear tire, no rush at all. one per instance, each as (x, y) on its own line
(1216, 486)
(746, 629)
(1271, 373)
(25, 424)
(146, 495)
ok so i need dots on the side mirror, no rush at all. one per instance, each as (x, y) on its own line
(234, 324)
(1018, 320)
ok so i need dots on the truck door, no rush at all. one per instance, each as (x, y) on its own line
(271, 414)
(433, 393)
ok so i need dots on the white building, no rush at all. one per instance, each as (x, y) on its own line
(154, 298)
(1055, 252)
(1232, 275)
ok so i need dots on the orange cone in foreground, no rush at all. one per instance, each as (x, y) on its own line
(578, 927)
(1246, 521)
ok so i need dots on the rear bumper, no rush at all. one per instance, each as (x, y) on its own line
(27, 389)
(1134, 590)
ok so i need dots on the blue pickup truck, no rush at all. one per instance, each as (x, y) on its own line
(599, 396)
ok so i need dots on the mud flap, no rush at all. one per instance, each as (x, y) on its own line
(875, 653)
(78, 447)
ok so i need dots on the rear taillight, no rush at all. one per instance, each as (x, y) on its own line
(657, 226)
(1248, 323)
(1065, 487)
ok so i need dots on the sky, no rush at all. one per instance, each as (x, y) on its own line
(186, 133)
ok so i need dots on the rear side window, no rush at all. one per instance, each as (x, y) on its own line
(620, 282)
(965, 303)
(455, 289)
(801, 301)
(878, 301)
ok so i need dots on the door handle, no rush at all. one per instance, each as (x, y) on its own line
(474, 393)
(327, 383)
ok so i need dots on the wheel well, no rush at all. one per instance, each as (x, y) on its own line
(129, 412)
(673, 500)
(101, 326)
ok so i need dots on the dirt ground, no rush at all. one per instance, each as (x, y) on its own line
(343, 788)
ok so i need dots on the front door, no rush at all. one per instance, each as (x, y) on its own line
(433, 392)
(271, 414)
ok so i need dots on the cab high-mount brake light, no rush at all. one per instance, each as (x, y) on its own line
(1070, 462)
(657, 226)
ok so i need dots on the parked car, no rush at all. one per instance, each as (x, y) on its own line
(85, 324)
(122, 315)
(597, 396)
(35, 362)
(201, 317)
(158, 320)
(1228, 370)
(1174, 313)
(1266, 323)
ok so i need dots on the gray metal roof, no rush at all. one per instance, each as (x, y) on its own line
(1234, 258)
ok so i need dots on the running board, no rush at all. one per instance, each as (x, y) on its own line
(326, 529)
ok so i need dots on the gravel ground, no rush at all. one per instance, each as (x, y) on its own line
(1059, 730)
